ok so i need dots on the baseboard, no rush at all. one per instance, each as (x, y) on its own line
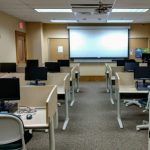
(92, 78)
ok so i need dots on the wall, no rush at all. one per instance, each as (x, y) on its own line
(35, 41)
(8, 25)
(137, 31)
(139, 37)
(53, 31)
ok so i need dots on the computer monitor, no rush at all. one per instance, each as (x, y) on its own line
(142, 73)
(148, 63)
(9, 91)
(122, 62)
(65, 63)
(145, 57)
(36, 74)
(7, 67)
(130, 66)
(52, 66)
(32, 63)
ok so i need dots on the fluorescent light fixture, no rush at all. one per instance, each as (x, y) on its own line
(54, 10)
(129, 10)
(63, 21)
(119, 21)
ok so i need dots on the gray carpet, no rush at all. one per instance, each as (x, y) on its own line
(93, 124)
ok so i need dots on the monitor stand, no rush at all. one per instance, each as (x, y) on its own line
(36, 83)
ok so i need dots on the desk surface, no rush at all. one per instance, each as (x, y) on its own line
(129, 89)
(38, 119)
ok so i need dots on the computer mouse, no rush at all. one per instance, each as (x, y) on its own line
(29, 116)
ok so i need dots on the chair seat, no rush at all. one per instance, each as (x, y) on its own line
(11, 146)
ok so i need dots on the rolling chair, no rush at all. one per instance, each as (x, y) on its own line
(11, 133)
(145, 104)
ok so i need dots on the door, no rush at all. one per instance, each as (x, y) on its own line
(20, 47)
(58, 49)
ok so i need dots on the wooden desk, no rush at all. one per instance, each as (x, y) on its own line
(62, 80)
(77, 75)
(125, 88)
(107, 74)
(71, 71)
(44, 99)
(111, 79)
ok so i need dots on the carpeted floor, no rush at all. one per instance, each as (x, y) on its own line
(93, 124)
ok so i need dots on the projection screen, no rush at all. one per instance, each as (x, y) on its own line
(98, 42)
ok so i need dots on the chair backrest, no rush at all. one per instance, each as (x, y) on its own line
(11, 129)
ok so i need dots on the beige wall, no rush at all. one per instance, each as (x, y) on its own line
(61, 31)
(8, 25)
(38, 35)
(35, 41)
(53, 31)
(140, 31)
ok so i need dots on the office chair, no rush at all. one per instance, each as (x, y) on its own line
(133, 101)
(145, 124)
(11, 133)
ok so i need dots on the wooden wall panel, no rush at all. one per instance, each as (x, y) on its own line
(137, 43)
(54, 43)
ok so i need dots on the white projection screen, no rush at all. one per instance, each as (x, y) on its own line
(98, 42)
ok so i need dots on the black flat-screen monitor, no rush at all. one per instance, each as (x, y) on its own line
(9, 90)
(148, 63)
(7, 67)
(52, 66)
(145, 57)
(142, 73)
(65, 63)
(32, 63)
(36, 74)
(130, 66)
(122, 62)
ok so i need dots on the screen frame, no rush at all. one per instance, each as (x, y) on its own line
(142, 78)
(30, 76)
(5, 67)
(64, 62)
(130, 66)
(97, 58)
(53, 64)
(17, 88)
(32, 63)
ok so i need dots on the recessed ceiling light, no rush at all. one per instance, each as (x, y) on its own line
(129, 10)
(54, 10)
(63, 21)
(119, 21)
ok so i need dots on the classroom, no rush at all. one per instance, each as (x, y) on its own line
(74, 74)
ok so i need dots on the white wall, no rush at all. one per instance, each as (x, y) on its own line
(8, 25)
